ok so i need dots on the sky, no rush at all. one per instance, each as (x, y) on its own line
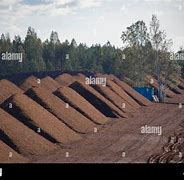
(90, 21)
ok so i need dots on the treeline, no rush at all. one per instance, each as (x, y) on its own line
(55, 55)
(146, 50)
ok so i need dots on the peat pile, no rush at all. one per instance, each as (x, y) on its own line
(181, 84)
(93, 96)
(46, 82)
(80, 77)
(153, 82)
(35, 116)
(65, 109)
(8, 155)
(176, 87)
(65, 79)
(83, 106)
(97, 100)
(29, 83)
(177, 99)
(57, 107)
(114, 98)
(113, 86)
(131, 92)
(7, 89)
(23, 138)
(49, 83)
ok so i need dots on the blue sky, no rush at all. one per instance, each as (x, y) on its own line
(33, 2)
(90, 21)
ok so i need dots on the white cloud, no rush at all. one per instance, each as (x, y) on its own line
(14, 11)
(123, 8)
(158, 13)
(94, 32)
(180, 7)
(101, 18)
(89, 3)
(178, 42)
(9, 2)
(89, 21)
(159, 0)
(48, 7)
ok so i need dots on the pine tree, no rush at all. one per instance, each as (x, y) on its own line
(33, 50)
